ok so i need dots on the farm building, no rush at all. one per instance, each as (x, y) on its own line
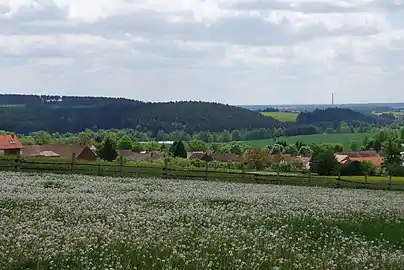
(370, 156)
(82, 152)
(10, 145)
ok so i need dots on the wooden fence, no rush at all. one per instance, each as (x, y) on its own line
(208, 174)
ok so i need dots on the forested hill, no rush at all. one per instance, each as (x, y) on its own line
(337, 115)
(96, 113)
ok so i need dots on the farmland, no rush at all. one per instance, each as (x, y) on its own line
(85, 222)
(343, 138)
(282, 116)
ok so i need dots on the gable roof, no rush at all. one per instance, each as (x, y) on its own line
(9, 141)
(370, 156)
(62, 150)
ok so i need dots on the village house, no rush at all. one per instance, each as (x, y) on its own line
(361, 156)
(10, 145)
(66, 151)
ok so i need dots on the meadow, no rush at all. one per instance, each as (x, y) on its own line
(85, 222)
(282, 116)
(343, 138)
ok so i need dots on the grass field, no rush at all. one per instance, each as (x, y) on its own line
(282, 116)
(343, 138)
(86, 222)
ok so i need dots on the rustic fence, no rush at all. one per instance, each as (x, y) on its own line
(121, 169)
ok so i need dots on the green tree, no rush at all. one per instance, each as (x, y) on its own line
(305, 151)
(391, 150)
(276, 149)
(137, 147)
(354, 146)
(42, 137)
(225, 136)
(258, 158)
(235, 135)
(108, 150)
(125, 143)
(324, 163)
(196, 145)
(291, 150)
(178, 149)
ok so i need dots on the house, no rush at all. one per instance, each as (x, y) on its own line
(195, 155)
(305, 161)
(370, 156)
(10, 145)
(66, 151)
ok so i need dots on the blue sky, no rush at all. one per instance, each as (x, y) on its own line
(231, 51)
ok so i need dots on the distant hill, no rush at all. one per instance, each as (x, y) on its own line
(337, 115)
(24, 114)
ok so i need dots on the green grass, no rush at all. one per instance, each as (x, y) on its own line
(282, 116)
(343, 138)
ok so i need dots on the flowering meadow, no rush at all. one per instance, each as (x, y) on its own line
(81, 222)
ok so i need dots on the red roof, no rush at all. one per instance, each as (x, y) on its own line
(8, 142)
(377, 160)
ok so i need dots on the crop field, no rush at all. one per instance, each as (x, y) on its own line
(343, 138)
(85, 222)
(282, 116)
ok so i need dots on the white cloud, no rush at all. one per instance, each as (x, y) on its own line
(233, 51)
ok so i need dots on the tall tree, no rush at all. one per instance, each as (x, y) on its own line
(125, 143)
(178, 149)
(257, 157)
(108, 150)
(196, 145)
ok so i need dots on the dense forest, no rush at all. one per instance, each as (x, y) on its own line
(24, 114)
(75, 114)
(337, 115)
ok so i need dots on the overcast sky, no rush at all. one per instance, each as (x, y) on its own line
(231, 51)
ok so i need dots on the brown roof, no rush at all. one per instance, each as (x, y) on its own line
(63, 150)
(377, 161)
(354, 154)
(9, 141)
(370, 156)
(195, 155)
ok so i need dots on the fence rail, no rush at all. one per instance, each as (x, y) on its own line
(207, 174)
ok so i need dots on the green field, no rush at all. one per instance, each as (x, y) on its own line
(282, 116)
(86, 222)
(343, 138)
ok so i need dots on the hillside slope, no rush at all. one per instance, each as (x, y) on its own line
(337, 115)
(78, 115)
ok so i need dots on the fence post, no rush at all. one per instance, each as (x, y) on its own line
(165, 168)
(121, 167)
(366, 179)
(17, 165)
(390, 181)
(309, 177)
(73, 162)
(99, 169)
(243, 171)
(206, 170)
(278, 179)
(339, 179)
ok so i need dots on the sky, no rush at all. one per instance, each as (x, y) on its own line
(229, 51)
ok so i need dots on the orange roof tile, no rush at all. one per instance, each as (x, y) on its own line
(8, 142)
